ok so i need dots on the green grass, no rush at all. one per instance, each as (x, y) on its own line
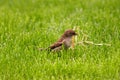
(27, 25)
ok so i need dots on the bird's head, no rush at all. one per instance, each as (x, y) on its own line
(69, 33)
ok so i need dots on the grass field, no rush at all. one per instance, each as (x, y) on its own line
(26, 25)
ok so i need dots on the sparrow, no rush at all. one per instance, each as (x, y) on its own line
(64, 42)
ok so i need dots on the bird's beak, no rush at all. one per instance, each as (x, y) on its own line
(76, 34)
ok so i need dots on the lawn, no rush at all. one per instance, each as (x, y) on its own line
(26, 25)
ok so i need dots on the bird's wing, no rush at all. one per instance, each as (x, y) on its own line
(56, 45)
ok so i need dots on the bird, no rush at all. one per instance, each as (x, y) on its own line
(64, 42)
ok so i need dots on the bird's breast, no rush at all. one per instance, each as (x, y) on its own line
(67, 42)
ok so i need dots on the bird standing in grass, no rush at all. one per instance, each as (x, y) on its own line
(64, 42)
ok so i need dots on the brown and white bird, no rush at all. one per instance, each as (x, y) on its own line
(64, 42)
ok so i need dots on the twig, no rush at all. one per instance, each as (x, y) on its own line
(85, 40)
(92, 43)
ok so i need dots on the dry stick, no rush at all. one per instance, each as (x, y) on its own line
(90, 42)
(85, 40)
(73, 42)
(73, 39)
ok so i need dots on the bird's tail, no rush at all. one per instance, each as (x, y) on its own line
(44, 49)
